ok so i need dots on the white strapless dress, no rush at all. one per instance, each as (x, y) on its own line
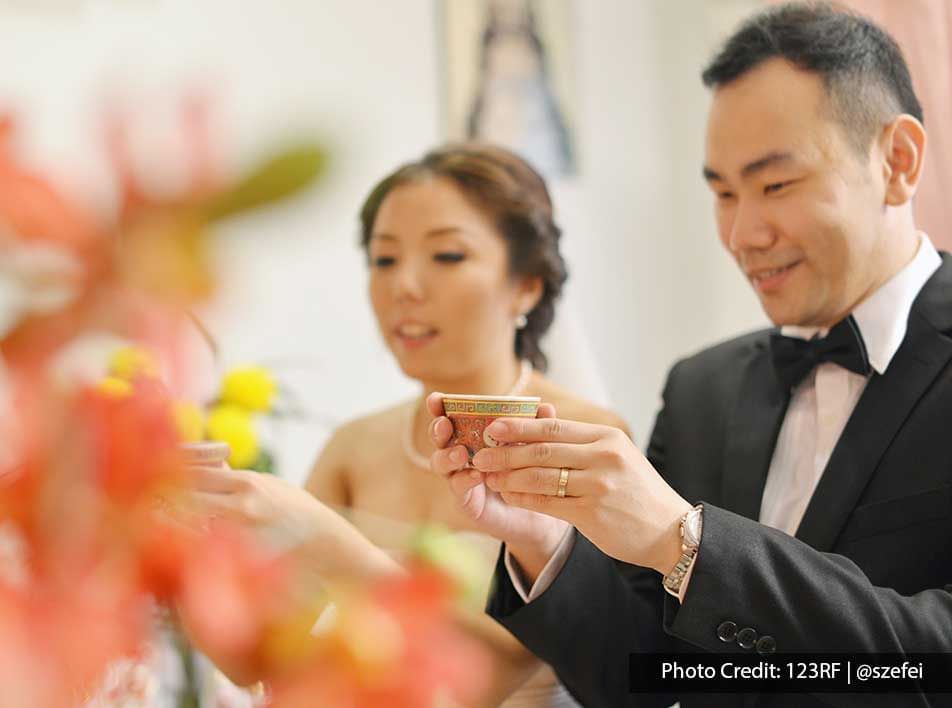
(548, 694)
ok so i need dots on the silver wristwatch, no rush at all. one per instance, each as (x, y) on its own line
(690, 540)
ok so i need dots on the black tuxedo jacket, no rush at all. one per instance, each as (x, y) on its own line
(868, 570)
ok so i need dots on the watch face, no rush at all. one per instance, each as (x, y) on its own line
(692, 528)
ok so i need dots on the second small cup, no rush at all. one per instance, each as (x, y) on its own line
(206, 453)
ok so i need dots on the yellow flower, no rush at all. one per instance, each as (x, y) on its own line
(189, 420)
(251, 387)
(232, 424)
(131, 362)
(114, 387)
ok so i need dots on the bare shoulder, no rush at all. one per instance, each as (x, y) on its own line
(570, 406)
(357, 437)
(352, 448)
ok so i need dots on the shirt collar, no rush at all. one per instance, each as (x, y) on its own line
(883, 316)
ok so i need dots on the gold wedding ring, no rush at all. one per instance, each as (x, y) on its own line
(563, 481)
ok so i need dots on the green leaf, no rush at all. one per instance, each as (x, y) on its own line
(455, 556)
(277, 178)
(265, 463)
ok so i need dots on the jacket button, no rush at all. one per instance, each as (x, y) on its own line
(746, 638)
(726, 631)
(766, 645)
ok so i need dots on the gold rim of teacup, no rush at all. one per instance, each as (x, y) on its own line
(206, 451)
(505, 399)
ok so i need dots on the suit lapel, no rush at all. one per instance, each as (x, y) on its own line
(752, 434)
(884, 407)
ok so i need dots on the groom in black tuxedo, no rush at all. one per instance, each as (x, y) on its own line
(796, 495)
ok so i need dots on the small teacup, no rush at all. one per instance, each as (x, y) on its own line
(207, 453)
(470, 415)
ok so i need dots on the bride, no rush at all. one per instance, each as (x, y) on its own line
(465, 271)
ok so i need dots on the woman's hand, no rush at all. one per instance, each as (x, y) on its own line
(287, 518)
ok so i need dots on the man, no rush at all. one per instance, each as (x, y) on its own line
(820, 454)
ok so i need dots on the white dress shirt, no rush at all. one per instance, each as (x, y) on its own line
(818, 410)
(824, 401)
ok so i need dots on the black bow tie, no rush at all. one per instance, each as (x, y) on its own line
(794, 358)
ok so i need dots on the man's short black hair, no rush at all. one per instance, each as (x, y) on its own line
(862, 67)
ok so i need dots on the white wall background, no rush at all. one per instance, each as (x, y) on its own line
(649, 282)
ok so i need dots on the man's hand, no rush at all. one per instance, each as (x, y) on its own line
(613, 495)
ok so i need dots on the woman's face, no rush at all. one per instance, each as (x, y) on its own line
(440, 284)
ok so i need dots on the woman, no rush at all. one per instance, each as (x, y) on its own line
(465, 270)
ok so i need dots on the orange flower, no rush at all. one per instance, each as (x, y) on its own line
(397, 646)
(34, 210)
(233, 594)
(134, 441)
(58, 634)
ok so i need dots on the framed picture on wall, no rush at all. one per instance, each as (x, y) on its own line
(508, 79)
